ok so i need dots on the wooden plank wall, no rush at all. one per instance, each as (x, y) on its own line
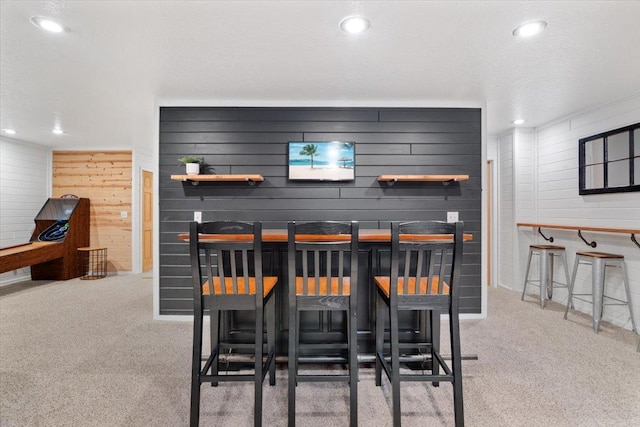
(254, 140)
(104, 177)
(557, 201)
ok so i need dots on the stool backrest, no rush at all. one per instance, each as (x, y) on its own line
(426, 258)
(326, 256)
(232, 255)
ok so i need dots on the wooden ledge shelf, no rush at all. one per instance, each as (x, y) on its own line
(580, 229)
(196, 179)
(444, 179)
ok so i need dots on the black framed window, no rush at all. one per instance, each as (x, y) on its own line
(610, 162)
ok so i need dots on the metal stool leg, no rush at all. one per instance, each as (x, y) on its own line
(571, 284)
(625, 281)
(526, 275)
(550, 276)
(566, 270)
(597, 288)
(544, 276)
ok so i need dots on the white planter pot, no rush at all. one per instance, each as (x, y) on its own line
(193, 168)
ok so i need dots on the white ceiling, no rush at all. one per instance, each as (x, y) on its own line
(102, 80)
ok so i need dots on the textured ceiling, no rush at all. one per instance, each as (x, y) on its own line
(101, 80)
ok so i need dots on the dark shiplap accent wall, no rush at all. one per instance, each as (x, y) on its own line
(254, 140)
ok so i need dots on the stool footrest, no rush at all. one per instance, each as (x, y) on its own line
(321, 378)
(555, 284)
(226, 377)
(590, 300)
(419, 377)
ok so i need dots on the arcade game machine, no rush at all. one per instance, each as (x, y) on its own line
(63, 221)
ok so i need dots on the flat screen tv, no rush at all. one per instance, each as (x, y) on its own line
(322, 160)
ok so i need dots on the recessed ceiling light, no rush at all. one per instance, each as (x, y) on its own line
(48, 24)
(354, 24)
(57, 131)
(9, 131)
(518, 121)
(529, 29)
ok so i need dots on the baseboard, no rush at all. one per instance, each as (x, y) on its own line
(12, 280)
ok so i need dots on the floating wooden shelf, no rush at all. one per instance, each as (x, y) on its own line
(445, 179)
(196, 179)
(580, 229)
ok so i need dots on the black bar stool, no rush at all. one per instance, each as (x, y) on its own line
(425, 276)
(230, 279)
(323, 272)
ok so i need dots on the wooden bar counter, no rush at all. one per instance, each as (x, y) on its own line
(327, 327)
(365, 235)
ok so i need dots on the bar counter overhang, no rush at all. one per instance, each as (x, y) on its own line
(326, 328)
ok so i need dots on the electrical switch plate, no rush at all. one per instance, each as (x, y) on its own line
(452, 216)
(197, 216)
(123, 214)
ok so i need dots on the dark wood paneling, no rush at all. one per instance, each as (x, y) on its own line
(458, 137)
(266, 126)
(254, 140)
(430, 115)
(186, 114)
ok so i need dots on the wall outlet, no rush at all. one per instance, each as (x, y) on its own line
(197, 216)
(124, 214)
(452, 216)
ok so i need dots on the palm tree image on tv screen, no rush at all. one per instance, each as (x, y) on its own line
(322, 160)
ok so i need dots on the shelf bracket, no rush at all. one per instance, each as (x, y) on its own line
(195, 183)
(592, 244)
(391, 182)
(633, 239)
(548, 239)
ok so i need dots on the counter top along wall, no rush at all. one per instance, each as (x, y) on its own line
(631, 231)
(557, 202)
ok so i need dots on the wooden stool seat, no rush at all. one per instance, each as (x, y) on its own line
(268, 283)
(600, 255)
(384, 283)
(552, 247)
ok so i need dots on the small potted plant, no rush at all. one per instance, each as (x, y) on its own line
(192, 164)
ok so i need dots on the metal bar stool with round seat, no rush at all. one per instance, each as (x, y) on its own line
(599, 262)
(230, 278)
(546, 283)
(323, 272)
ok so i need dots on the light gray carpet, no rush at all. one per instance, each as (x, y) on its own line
(87, 353)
